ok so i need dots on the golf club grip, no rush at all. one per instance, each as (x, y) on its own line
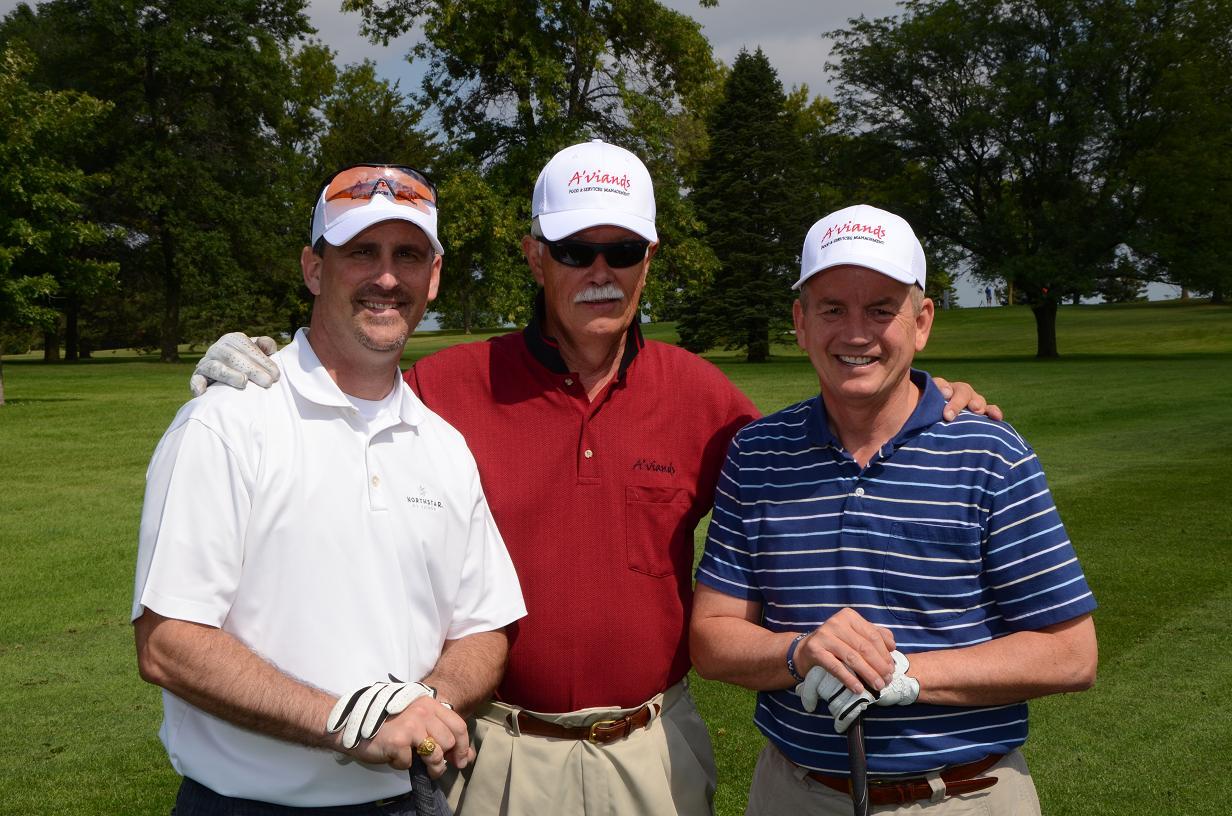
(859, 767)
(427, 797)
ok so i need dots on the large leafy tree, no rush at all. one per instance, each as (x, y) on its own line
(756, 195)
(43, 196)
(1185, 232)
(214, 109)
(370, 119)
(1025, 116)
(512, 81)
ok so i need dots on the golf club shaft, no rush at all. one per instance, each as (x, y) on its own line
(859, 767)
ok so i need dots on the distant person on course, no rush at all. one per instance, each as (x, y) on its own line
(319, 577)
(599, 452)
(866, 557)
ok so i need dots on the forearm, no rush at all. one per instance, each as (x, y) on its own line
(740, 652)
(728, 642)
(469, 669)
(1017, 667)
(215, 672)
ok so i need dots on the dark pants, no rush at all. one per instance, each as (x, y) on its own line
(195, 799)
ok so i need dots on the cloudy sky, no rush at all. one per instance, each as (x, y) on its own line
(790, 32)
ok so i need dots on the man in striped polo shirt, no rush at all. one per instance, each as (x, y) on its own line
(864, 552)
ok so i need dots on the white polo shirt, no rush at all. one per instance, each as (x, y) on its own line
(339, 549)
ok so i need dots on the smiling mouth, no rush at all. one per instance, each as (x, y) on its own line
(379, 305)
(855, 361)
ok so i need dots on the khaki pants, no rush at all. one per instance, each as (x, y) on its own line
(781, 787)
(665, 768)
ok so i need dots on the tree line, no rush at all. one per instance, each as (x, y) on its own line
(161, 156)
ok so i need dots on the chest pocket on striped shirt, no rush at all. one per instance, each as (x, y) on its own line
(931, 573)
(656, 534)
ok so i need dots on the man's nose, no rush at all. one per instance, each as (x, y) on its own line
(386, 274)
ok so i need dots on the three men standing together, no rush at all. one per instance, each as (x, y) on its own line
(592, 714)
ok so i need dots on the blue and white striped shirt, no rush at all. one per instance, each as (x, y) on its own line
(949, 538)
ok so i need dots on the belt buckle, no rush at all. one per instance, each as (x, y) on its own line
(592, 736)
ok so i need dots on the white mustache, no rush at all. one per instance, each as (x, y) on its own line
(607, 291)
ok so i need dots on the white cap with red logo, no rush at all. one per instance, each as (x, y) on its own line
(863, 236)
(594, 184)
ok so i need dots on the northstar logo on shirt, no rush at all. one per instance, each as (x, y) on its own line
(424, 500)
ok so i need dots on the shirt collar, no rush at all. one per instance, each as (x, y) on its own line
(545, 350)
(927, 412)
(308, 377)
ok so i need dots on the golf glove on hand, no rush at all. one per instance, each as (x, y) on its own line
(234, 359)
(360, 714)
(902, 690)
(819, 685)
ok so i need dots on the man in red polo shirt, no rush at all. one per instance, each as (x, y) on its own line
(598, 451)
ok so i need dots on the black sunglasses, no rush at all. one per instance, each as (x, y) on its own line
(619, 254)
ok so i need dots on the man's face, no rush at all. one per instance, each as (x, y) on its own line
(593, 302)
(861, 330)
(372, 291)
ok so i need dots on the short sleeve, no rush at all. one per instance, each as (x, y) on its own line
(727, 561)
(196, 508)
(1029, 561)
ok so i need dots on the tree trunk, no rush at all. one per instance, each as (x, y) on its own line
(759, 345)
(51, 346)
(1184, 293)
(1045, 329)
(72, 338)
(169, 333)
(1217, 296)
(1, 380)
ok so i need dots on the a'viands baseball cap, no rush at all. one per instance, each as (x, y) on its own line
(863, 236)
(594, 184)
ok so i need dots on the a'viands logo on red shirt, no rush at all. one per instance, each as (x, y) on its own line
(654, 466)
(589, 181)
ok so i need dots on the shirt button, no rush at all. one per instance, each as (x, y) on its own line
(859, 491)
(589, 453)
(568, 381)
(376, 481)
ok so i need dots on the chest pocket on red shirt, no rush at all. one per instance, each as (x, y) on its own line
(655, 528)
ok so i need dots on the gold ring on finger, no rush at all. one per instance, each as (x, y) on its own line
(426, 748)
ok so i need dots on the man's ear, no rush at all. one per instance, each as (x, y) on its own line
(434, 284)
(533, 250)
(310, 265)
(924, 323)
(797, 319)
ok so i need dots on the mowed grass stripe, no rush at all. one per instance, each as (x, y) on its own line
(1155, 735)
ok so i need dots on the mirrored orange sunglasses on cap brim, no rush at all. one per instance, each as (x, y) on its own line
(355, 186)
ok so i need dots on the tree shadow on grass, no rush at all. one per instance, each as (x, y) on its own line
(98, 361)
(34, 400)
(1111, 357)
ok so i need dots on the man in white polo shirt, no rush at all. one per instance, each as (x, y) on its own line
(319, 581)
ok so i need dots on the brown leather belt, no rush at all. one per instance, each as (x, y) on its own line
(600, 732)
(958, 779)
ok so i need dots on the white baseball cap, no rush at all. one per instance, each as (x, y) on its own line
(361, 195)
(863, 236)
(594, 184)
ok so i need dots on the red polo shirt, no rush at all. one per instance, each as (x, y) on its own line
(597, 503)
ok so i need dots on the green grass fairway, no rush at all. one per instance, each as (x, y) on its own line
(1132, 425)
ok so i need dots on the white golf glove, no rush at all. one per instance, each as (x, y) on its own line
(360, 714)
(234, 359)
(902, 690)
(845, 705)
